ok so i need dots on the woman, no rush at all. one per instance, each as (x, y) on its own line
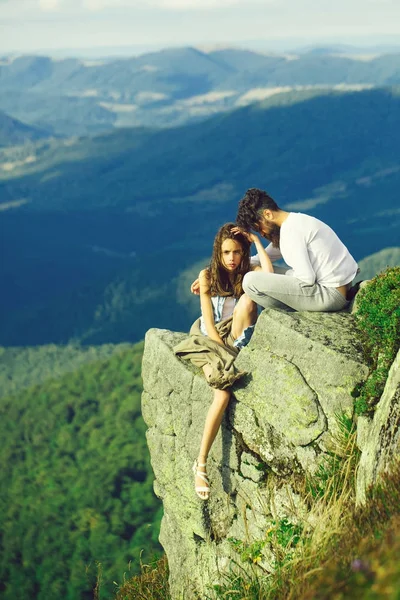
(216, 338)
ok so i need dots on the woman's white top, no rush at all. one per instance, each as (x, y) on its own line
(228, 307)
(223, 307)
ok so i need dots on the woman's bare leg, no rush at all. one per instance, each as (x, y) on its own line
(213, 422)
(244, 315)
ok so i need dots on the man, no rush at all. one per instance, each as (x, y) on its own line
(321, 268)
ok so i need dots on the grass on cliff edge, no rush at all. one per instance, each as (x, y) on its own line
(351, 554)
(378, 322)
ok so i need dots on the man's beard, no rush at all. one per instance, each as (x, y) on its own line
(273, 234)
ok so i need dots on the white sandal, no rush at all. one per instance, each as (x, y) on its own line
(201, 488)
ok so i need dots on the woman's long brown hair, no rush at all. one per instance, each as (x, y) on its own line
(220, 283)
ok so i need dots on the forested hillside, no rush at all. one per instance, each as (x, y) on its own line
(371, 265)
(103, 231)
(13, 132)
(77, 499)
(22, 367)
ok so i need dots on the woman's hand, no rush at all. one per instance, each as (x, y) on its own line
(265, 260)
(251, 237)
(195, 287)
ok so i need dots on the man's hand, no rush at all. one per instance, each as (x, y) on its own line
(195, 287)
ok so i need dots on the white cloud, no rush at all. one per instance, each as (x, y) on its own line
(205, 4)
(49, 5)
(92, 6)
(96, 5)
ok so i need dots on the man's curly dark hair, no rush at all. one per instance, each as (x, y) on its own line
(250, 207)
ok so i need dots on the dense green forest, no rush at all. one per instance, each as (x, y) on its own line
(22, 367)
(76, 495)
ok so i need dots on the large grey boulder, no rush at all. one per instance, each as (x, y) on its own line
(379, 440)
(281, 420)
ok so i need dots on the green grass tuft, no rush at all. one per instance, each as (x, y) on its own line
(378, 322)
(150, 584)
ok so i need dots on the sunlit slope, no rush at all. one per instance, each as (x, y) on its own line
(292, 150)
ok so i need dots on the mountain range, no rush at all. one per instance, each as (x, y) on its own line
(170, 87)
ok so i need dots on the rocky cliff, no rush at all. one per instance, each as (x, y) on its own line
(379, 437)
(281, 423)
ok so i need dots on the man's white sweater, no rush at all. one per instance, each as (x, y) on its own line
(313, 252)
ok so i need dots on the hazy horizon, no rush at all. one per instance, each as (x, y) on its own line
(110, 27)
(378, 45)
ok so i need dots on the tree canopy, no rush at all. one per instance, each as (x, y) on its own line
(76, 483)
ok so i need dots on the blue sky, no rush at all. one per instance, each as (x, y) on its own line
(33, 25)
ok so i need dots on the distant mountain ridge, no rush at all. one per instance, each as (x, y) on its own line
(168, 87)
(351, 49)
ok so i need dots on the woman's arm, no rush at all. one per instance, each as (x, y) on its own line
(262, 255)
(206, 307)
